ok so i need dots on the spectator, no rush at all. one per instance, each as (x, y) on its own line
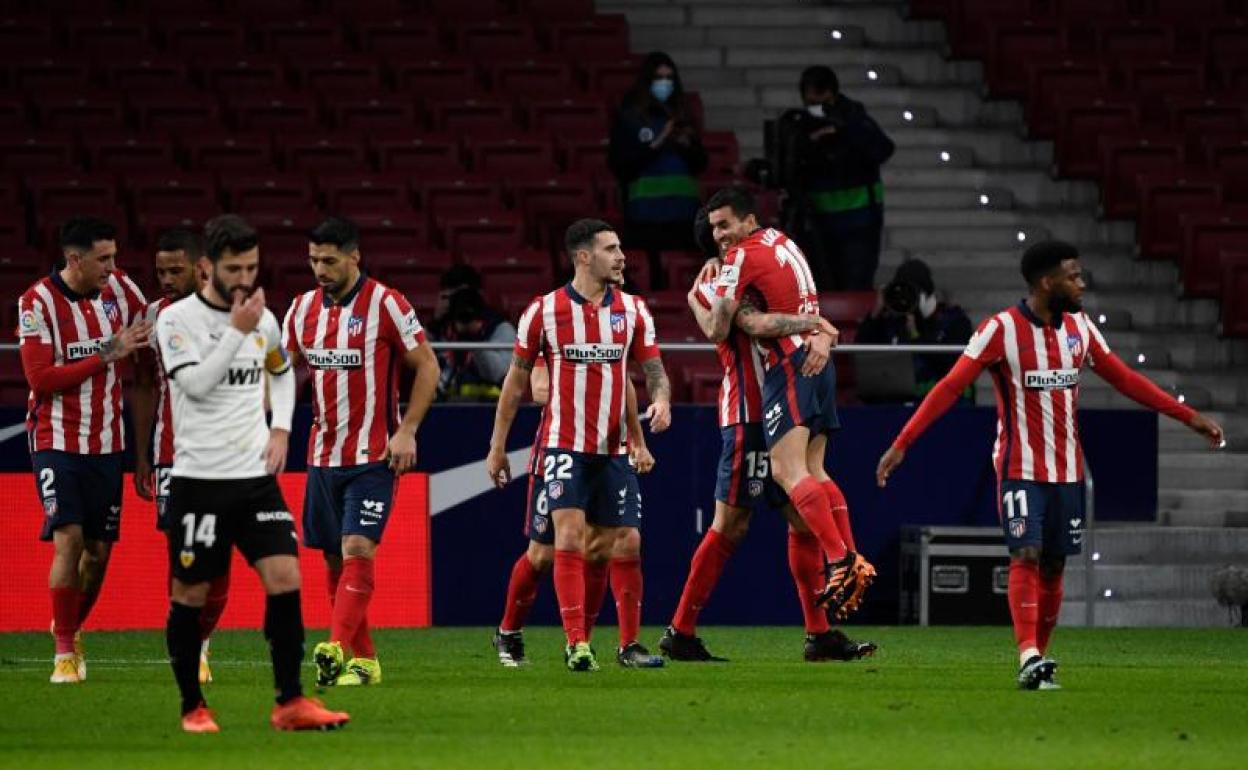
(909, 312)
(828, 158)
(458, 276)
(474, 375)
(656, 154)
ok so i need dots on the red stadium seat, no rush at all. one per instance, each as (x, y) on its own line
(1011, 46)
(847, 307)
(283, 235)
(415, 268)
(341, 74)
(1228, 155)
(1195, 116)
(86, 110)
(722, 150)
(513, 156)
(49, 219)
(601, 38)
(127, 151)
(1081, 11)
(501, 268)
(1135, 38)
(384, 112)
(276, 192)
(20, 263)
(1125, 157)
(1234, 293)
(50, 72)
(294, 36)
(1157, 78)
(458, 195)
(971, 26)
(1080, 124)
(204, 36)
(17, 32)
(173, 111)
(1065, 78)
(106, 35)
(549, 204)
(13, 112)
(420, 153)
(1225, 39)
(496, 40)
(437, 78)
(1163, 199)
(146, 73)
(171, 193)
(490, 231)
(611, 77)
(348, 193)
(469, 115)
(153, 222)
(34, 150)
(244, 75)
(390, 231)
(325, 152)
(400, 36)
(228, 150)
(584, 155)
(557, 10)
(67, 190)
(1205, 236)
(12, 228)
(569, 118)
(467, 10)
(533, 78)
(284, 111)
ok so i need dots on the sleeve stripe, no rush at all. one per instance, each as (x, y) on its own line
(526, 320)
(975, 348)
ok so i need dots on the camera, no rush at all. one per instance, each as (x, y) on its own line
(901, 297)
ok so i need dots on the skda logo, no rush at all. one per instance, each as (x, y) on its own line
(243, 377)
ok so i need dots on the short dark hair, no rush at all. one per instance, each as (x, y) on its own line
(458, 276)
(81, 233)
(1043, 258)
(819, 78)
(181, 239)
(737, 198)
(581, 234)
(228, 232)
(336, 231)
(703, 236)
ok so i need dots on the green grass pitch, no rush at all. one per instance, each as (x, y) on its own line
(931, 698)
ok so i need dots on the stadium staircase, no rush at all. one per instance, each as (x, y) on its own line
(967, 190)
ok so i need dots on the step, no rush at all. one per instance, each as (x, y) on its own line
(1204, 470)
(1204, 613)
(1173, 435)
(779, 61)
(991, 146)
(1030, 188)
(1171, 545)
(988, 199)
(882, 25)
(955, 105)
(991, 237)
(1128, 582)
(1065, 225)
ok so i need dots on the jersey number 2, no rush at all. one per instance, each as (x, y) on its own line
(557, 467)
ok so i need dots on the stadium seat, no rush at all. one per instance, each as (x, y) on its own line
(550, 10)
(502, 267)
(1079, 126)
(390, 231)
(568, 118)
(323, 151)
(469, 115)
(584, 155)
(412, 270)
(1205, 236)
(972, 22)
(105, 35)
(165, 110)
(1065, 78)
(1012, 45)
(533, 78)
(283, 235)
(171, 193)
(152, 222)
(274, 111)
(434, 79)
(351, 192)
(50, 73)
(49, 219)
(1234, 293)
(490, 231)
(30, 150)
(275, 192)
(420, 153)
(496, 40)
(1228, 155)
(549, 204)
(610, 76)
(296, 37)
(146, 73)
(505, 157)
(17, 31)
(381, 112)
(1134, 38)
(342, 74)
(466, 10)
(13, 112)
(722, 151)
(66, 190)
(221, 150)
(1163, 198)
(847, 307)
(702, 380)
(400, 36)
(84, 110)
(601, 38)
(203, 36)
(20, 263)
(1194, 116)
(1123, 157)
(12, 227)
(127, 151)
(243, 75)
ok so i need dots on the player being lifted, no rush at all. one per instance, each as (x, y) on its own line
(539, 557)
(74, 326)
(220, 348)
(586, 331)
(744, 477)
(354, 332)
(177, 254)
(799, 411)
(1035, 351)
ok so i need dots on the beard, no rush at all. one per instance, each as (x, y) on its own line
(1059, 304)
(225, 292)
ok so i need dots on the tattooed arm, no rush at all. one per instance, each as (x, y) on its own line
(756, 323)
(659, 388)
(514, 387)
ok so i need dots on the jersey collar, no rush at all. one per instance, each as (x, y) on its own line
(211, 305)
(607, 298)
(69, 293)
(1025, 309)
(328, 301)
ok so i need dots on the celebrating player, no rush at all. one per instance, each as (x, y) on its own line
(799, 406)
(177, 253)
(585, 331)
(744, 478)
(353, 332)
(539, 557)
(74, 326)
(1035, 351)
(220, 349)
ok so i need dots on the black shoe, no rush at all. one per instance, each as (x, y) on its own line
(1036, 671)
(678, 646)
(510, 648)
(835, 645)
(634, 655)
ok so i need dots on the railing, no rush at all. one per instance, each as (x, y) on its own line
(674, 347)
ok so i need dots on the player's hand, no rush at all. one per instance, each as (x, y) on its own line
(818, 351)
(497, 467)
(401, 452)
(275, 452)
(643, 461)
(659, 413)
(1209, 429)
(144, 479)
(246, 312)
(663, 136)
(134, 337)
(888, 463)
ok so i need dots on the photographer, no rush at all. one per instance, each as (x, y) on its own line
(909, 313)
(828, 162)
(474, 375)
(656, 154)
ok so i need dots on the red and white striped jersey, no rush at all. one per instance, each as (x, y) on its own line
(773, 266)
(586, 347)
(162, 429)
(353, 349)
(741, 390)
(1035, 371)
(86, 418)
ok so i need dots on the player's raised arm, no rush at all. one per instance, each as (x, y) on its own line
(529, 340)
(281, 397)
(43, 374)
(198, 376)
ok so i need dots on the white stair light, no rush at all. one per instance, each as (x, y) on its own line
(1182, 399)
(1140, 358)
(944, 156)
(873, 75)
(907, 115)
(1096, 556)
(1022, 236)
(1109, 593)
(836, 34)
(984, 200)
(1100, 319)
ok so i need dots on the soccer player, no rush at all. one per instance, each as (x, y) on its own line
(1035, 351)
(177, 253)
(354, 332)
(744, 477)
(799, 407)
(539, 557)
(74, 326)
(221, 349)
(586, 331)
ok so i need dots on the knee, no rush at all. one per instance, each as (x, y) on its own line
(541, 557)
(281, 575)
(190, 594)
(1027, 555)
(627, 544)
(732, 525)
(787, 475)
(69, 544)
(358, 546)
(1051, 568)
(599, 547)
(569, 534)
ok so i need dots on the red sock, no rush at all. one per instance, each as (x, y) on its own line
(816, 510)
(214, 605)
(840, 512)
(521, 593)
(595, 594)
(1050, 606)
(626, 584)
(86, 601)
(704, 571)
(362, 644)
(1024, 595)
(65, 602)
(332, 576)
(570, 591)
(806, 566)
(351, 603)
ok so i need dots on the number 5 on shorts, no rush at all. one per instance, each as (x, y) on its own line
(205, 533)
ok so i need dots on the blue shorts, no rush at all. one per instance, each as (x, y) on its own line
(163, 475)
(537, 524)
(745, 470)
(349, 500)
(604, 486)
(79, 489)
(1042, 515)
(790, 400)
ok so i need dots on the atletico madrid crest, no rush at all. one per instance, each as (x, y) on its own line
(112, 311)
(1018, 527)
(355, 325)
(619, 322)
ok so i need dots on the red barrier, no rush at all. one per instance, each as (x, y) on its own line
(136, 590)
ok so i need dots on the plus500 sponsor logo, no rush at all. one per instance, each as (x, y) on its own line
(1051, 379)
(85, 349)
(335, 358)
(593, 353)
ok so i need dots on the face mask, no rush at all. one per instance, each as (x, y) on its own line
(662, 88)
(816, 110)
(927, 304)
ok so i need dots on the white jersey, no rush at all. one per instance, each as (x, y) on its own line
(223, 434)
